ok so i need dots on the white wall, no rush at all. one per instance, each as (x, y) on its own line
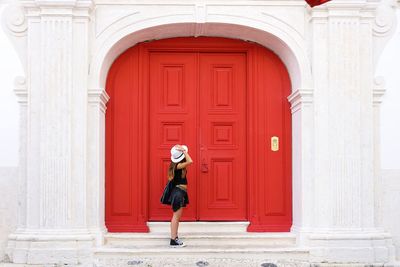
(8, 205)
(10, 67)
(389, 68)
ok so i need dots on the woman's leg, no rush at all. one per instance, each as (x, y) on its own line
(175, 223)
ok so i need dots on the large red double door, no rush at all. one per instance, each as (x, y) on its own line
(199, 99)
(226, 100)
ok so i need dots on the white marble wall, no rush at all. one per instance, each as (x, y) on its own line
(10, 67)
(390, 205)
(388, 67)
(389, 142)
(8, 205)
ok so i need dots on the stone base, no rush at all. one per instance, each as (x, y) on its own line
(374, 248)
(202, 262)
(50, 247)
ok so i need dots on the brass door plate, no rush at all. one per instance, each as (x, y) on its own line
(274, 143)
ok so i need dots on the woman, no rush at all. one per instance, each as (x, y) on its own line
(180, 160)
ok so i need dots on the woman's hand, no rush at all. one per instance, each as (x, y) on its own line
(187, 156)
(180, 148)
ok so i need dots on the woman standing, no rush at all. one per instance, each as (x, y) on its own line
(180, 160)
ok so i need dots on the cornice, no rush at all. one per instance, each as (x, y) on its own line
(298, 3)
(343, 9)
(75, 8)
(57, 3)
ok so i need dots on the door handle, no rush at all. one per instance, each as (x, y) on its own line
(204, 166)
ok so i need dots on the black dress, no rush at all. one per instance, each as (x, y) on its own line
(174, 195)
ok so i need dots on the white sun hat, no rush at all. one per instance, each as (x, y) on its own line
(177, 155)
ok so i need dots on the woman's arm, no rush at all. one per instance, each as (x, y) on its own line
(187, 162)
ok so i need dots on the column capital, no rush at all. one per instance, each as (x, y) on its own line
(299, 97)
(379, 90)
(100, 97)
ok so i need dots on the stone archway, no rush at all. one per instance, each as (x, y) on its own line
(277, 36)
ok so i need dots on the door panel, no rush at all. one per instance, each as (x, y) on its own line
(220, 80)
(172, 121)
(125, 208)
(222, 180)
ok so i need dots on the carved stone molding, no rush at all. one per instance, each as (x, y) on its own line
(99, 97)
(378, 90)
(385, 18)
(14, 20)
(57, 3)
(15, 26)
(299, 97)
(20, 89)
(74, 8)
(384, 26)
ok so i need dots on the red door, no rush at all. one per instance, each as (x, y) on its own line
(222, 179)
(227, 100)
(173, 120)
(199, 99)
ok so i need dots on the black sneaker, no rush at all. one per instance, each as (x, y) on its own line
(177, 243)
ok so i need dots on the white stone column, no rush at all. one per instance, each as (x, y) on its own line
(378, 93)
(22, 94)
(96, 163)
(54, 228)
(342, 62)
(303, 159)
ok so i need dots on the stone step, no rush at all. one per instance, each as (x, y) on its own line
(201, 255)
(208, 244)
(200, 227)
(202, 233)
(198, 239)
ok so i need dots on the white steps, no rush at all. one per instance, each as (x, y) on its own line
(200, 256)
(200, 227)
(202, 239)
(217, 243)
(202, 234)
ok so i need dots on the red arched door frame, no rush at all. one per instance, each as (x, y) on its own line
(268, 138)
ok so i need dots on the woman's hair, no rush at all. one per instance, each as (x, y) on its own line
(172, 167)
(171, 170)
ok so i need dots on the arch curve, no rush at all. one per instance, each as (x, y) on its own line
(272, 33)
